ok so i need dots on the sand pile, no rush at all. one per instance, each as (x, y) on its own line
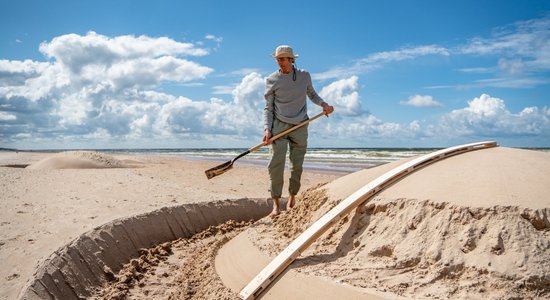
(436, 247)
(428, 249)
(78, 160)
(181, 269)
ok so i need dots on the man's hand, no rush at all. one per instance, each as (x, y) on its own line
(327, 109)
(267, 137)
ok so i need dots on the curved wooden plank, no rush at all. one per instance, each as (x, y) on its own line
(294, 249)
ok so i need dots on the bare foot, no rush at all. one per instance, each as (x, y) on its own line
(291, 201)
(276, 210)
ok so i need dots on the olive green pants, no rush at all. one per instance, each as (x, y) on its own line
(297, 140)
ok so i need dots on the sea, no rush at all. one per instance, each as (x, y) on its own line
(334, 160)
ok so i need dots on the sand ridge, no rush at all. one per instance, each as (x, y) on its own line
(79, 160)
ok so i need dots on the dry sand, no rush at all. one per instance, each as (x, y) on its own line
(60, 196)
(473, 226)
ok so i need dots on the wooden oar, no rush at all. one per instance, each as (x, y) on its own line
(218, 170)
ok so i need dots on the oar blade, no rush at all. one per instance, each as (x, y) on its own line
(218, 170)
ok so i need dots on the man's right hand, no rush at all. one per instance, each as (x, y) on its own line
(267, 137)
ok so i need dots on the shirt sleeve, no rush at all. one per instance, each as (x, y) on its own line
(313, 96)
(269, 103)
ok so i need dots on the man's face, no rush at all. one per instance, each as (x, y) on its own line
(285, 63)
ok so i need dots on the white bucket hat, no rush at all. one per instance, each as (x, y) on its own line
(284, 51)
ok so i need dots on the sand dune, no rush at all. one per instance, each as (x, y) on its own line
(78, 160)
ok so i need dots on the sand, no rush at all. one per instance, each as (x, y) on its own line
(60, 196)
(471, 226)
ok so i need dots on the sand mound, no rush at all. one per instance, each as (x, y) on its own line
(421, 248)
(78, 160)
(416, 239)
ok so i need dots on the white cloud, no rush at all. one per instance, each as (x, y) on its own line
(242, 115)
(75, 51)
(14, 73)
(214, 38)
(405, 53)
(242, 72)
(94, 84)
(377, 60)
(484, 117)
(519, 83)
(26, 67)
(34, 83)
(479, 70)
(521, 47)
(488, 116)
(344, 96)
(421, 101)
(73, 110)
(102, 63)
(74, 97)
(150, 72)
(511, 66)
(521, 54)
(5, 116)
(505, 82)
(249, 93)
(96, 62)
(180, 116)
(223, 89)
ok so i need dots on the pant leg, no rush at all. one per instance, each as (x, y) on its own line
(298, 148)
(276, 165)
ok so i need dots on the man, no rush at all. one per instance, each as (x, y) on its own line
(285, 96)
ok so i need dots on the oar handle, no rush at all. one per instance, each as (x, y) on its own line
(286, 132)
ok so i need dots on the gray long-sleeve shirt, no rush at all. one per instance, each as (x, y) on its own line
(286, 99)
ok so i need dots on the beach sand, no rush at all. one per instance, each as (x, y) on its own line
(60, 196)
(471, 226)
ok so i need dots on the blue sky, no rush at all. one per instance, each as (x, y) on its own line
(187, 74)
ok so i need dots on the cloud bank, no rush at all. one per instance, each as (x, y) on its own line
(95, 91)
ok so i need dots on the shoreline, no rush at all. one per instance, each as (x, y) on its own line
(340, 161)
